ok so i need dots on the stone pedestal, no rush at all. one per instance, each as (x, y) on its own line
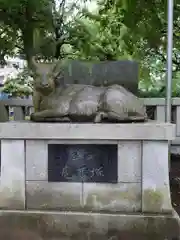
(138, 202)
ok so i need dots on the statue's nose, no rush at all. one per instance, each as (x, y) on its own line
(44, 83)
(44, 80)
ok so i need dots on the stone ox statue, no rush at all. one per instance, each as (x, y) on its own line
(56, 101)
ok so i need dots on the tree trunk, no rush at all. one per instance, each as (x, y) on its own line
(27, 36)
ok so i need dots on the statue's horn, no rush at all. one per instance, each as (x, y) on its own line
(34, 64)
(56, 68)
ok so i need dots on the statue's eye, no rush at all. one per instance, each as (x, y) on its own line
(49, 75)
(36, 75)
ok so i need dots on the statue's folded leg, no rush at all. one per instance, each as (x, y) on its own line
(125, 117)
(99, 117)
(49, 115)
(109, 117)
(114, 117)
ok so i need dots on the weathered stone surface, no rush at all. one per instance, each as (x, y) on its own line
(75, 196)
(53, 196)
(12, 180)
(102, 73)
(129, 161)
(90, 226)
(55, 100)
(155, 178)
(81, 103)
(37, 156)
(64, 131)
(36, 160)
(121, 197)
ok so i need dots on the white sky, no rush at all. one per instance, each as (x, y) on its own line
(90, 4)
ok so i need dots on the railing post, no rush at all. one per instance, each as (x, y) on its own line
(19, 113)
(160, 113)
(177, 121)
(4, 114)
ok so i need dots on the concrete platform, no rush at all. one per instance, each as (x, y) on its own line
(130, 131)
(136, 206)
(37, 225)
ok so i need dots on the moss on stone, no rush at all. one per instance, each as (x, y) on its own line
(153, 200)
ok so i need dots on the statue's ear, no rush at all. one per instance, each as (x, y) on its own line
(31, 73)
(33, 66)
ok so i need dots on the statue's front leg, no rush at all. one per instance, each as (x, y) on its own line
(99, 117)
(48, 115)
(36, 100)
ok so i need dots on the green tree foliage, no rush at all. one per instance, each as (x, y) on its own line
(7, 42)
(99, 36)
(118, 29)
(23, 17)
(31, 27)
(19, 86)
(132, 30)
(39, 27)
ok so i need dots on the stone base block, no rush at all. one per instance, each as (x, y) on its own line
(38, 225)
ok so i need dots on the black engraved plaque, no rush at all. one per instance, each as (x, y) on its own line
(82, 163)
